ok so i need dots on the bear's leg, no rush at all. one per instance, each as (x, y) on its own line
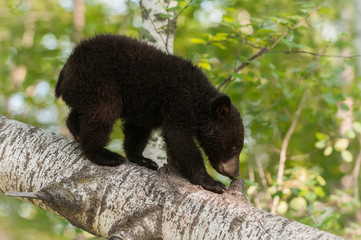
(184, 155)
(73, 122)
(95, 127)
(135, 140)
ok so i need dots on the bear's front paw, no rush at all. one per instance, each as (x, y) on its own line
(142, 161)
(210, 184)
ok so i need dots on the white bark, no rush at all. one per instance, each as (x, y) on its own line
(157, 28)
(129, 201)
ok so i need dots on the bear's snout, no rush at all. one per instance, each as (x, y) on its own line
(230, 168)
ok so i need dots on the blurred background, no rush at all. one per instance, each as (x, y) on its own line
(300, 101)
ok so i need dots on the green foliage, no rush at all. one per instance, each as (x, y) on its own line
(317, 189)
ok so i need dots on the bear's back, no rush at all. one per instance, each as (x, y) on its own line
(128, 61)
(146, 80)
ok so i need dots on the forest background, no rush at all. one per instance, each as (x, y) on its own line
(300, 99)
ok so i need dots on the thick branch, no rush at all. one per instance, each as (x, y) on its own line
(129, 201)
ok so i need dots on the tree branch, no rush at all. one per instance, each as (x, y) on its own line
(129, 201)
(303, 52)
(356, 173)
(184, 8)
(262, 176)
(286, 140)
(246, 63)
(314, 54)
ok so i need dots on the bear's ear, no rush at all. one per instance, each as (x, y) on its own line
(221, 106)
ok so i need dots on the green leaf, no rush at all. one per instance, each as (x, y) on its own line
(237, 77)
(321, 136)
(220, 45)
(321, 144)
(198, 40)
(357, 127)
(344, 34)
(263, 30)
(327, 151)
(205, 65)
(250, 183)
(305, 28)
(164, 16)
(346, 156)
(220, 36)
(331, 218)
(278, 193)
(172, 9)
(228, 18)
(321, 180)
(307, 221)
(350, 134)
(280, 21)
(298, 204)
(319, 191)
(341, 144)
(295, 17)
(344, 107)
(329, 98)
(291, 44)
(296, 191)
(247, 78)
(310, 196)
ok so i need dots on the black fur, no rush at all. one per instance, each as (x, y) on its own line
(110, 76)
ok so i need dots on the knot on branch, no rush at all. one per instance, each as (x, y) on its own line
(237, 188)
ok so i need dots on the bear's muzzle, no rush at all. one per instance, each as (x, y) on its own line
(230, 168)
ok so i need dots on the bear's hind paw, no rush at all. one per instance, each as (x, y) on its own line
(142, 161)
(104, 157)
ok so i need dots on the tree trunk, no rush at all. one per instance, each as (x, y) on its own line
(129, 201)
(79, 19)
(158, 28)
(158, 23)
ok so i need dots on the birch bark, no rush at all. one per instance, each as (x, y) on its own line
(129, 201)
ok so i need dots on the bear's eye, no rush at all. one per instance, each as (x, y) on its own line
(237, 147)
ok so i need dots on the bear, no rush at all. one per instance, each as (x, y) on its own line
(110, 76)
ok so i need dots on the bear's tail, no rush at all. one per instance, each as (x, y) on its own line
(57, 86)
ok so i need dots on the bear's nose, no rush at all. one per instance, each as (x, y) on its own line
(230, 168)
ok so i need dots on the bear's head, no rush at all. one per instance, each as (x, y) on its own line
(222, 136)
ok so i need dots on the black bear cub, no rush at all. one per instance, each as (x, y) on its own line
(113, 76)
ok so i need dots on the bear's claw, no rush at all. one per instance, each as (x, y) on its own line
(104, 157)
(142, 161)
(210, 184)
(216, 187)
